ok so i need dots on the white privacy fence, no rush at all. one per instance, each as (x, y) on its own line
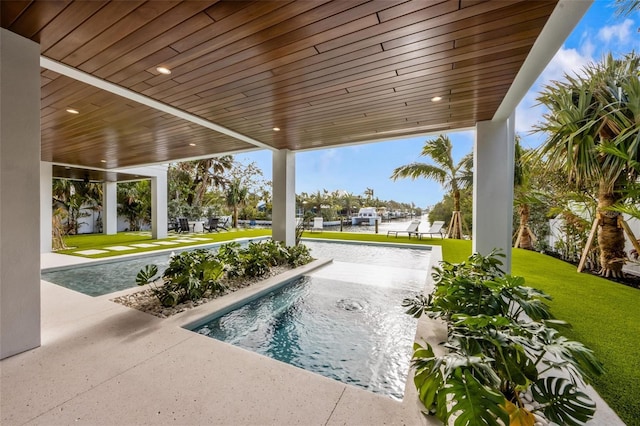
(556, 235)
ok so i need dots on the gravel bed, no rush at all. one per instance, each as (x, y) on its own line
(146, 301)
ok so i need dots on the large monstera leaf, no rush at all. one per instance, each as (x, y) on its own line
(473, 403)
(563, 403)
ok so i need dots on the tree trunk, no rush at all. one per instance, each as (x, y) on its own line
(526, 242)
(235, 216)
(610, 235)
(456, 217)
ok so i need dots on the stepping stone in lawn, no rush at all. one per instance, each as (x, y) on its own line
(166, 243)
(185, 240)
(144, 245)
(90, 252)
(119, 248)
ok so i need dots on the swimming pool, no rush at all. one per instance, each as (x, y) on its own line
(344, 321)
(107, 276)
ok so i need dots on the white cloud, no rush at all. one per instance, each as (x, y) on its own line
(612, 33)
(567, 61)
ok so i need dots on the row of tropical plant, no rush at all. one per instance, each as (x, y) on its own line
(192, 275)
(505, 361)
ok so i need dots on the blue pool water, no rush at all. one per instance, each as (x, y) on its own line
(344, 321)
(104, 277)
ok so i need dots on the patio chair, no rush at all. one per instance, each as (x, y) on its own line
(173, 225)
(212, 224)
(411, 229)
(224, 224)
(436, 228)
(183, 225)
(318, 224)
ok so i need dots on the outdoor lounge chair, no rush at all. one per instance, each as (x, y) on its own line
(317, 224)
(224, 224)
(436, 228)
(212, 224)
(183, 225)
(173, 225)
(411, 229)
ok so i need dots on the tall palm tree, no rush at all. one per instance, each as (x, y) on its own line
(586, 113)
(453, 177)
(369, 194)
(236, 195)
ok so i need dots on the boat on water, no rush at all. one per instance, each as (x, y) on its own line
(366, 216)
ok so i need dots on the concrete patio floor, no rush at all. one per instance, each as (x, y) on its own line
(102, 363)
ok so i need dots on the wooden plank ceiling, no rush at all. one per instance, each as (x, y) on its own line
(325, 72)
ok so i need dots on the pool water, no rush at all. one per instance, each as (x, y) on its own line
(96, 279)
(344, 321)
(104, 277)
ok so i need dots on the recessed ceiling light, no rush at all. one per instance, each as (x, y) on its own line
(436, 99)
(192, 144)
(276, 129)
(73, 111)
(163, 70)
(103, 161)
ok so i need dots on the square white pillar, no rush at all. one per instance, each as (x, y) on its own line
(110, 208)
(19, 194)
(284, 197)
(493, 165)
(159, 205)
(46, 206)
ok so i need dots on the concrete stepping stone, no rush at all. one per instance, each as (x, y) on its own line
(144, 245)
(119, 248)
(186, 240)
(200, 239)
(166, 243)
(90, 252)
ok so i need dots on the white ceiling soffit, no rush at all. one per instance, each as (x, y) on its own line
(561, 23)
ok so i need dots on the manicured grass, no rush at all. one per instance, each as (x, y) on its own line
(100, 241)
(604, 315)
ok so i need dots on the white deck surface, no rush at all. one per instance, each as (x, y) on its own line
(101, 363)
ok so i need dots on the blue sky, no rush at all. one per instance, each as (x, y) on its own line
(356, 168)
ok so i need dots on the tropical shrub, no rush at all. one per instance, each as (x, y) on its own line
(502, 351)
(191, 275)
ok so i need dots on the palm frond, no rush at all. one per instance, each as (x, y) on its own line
(420, 170)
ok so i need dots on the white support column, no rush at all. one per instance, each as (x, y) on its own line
(284, 197)
(19, 194)
(110, 208)
(159, 205)
(493, 187)
(159, 188)
(46, 206)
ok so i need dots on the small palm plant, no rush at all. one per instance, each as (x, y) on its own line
(503, 357)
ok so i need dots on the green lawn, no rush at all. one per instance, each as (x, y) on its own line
(605, 316)
(100, 241)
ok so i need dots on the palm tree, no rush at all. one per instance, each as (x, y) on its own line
(600, 109)
(452, 177)
(525, 238)
(236, 195)
(626, 7)
(369, 194)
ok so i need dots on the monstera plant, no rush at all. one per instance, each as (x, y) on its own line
(505, 362)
